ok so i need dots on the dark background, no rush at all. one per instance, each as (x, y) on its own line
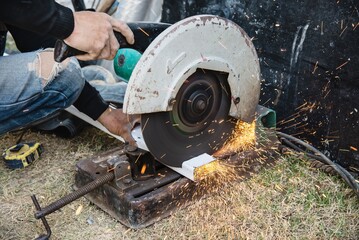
(308, 52)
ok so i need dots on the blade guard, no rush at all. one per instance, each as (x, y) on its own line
(203, 41)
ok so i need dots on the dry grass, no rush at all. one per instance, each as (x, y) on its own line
(289, 201)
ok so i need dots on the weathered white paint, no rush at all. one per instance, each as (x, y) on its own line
(202, 41)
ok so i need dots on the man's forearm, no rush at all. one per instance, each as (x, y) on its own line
(90, 102)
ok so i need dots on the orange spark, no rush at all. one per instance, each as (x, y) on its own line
(243, 138)
(143, 169)
(144, 32)
(342, 65)
(217, 168)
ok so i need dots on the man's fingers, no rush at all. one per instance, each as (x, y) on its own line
(114, 46)
(124, 29)
(117, 123)
(128, 138)
(134, 119)
(85, 57)
(106, 52)
(93, 33)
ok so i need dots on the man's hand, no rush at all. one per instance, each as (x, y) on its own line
(93, 33)
(119, 123)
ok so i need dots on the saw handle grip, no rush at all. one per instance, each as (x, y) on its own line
(144, 32)
(63, 51)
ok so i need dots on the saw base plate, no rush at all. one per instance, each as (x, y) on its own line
(142, 202)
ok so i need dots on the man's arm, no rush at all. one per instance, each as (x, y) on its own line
(87, 31)
(41, 16)
(92, 104)
(90, 32)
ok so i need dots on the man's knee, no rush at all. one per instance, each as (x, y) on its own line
(65, 78)
(46, 67)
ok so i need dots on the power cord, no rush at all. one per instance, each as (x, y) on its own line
(292, 142)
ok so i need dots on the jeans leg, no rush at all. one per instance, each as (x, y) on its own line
(33, 86)
(104, 82)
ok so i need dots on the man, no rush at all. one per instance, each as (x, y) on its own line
(33, 86)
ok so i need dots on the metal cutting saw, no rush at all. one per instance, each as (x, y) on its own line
(194, 79)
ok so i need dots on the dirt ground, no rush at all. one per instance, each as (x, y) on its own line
(288, 201)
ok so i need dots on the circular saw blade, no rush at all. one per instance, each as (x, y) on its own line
(198, 123)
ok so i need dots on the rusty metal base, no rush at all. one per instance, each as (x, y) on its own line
(139, 203)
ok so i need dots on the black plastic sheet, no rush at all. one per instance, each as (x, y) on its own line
(309, 59)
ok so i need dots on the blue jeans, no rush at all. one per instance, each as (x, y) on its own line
(27, 96)
(105, 83)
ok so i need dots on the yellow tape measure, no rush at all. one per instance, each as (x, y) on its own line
(22, 155)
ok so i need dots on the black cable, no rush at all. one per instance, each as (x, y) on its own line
(344, 174)
(22, 135)
(295, 147)
(349, 179)
(340, 170)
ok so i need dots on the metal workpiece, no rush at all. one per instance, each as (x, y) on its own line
(136, 132)
(122, 171)
(142, 163)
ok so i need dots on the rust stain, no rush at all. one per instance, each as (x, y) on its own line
(247, 42)
(201, 21)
